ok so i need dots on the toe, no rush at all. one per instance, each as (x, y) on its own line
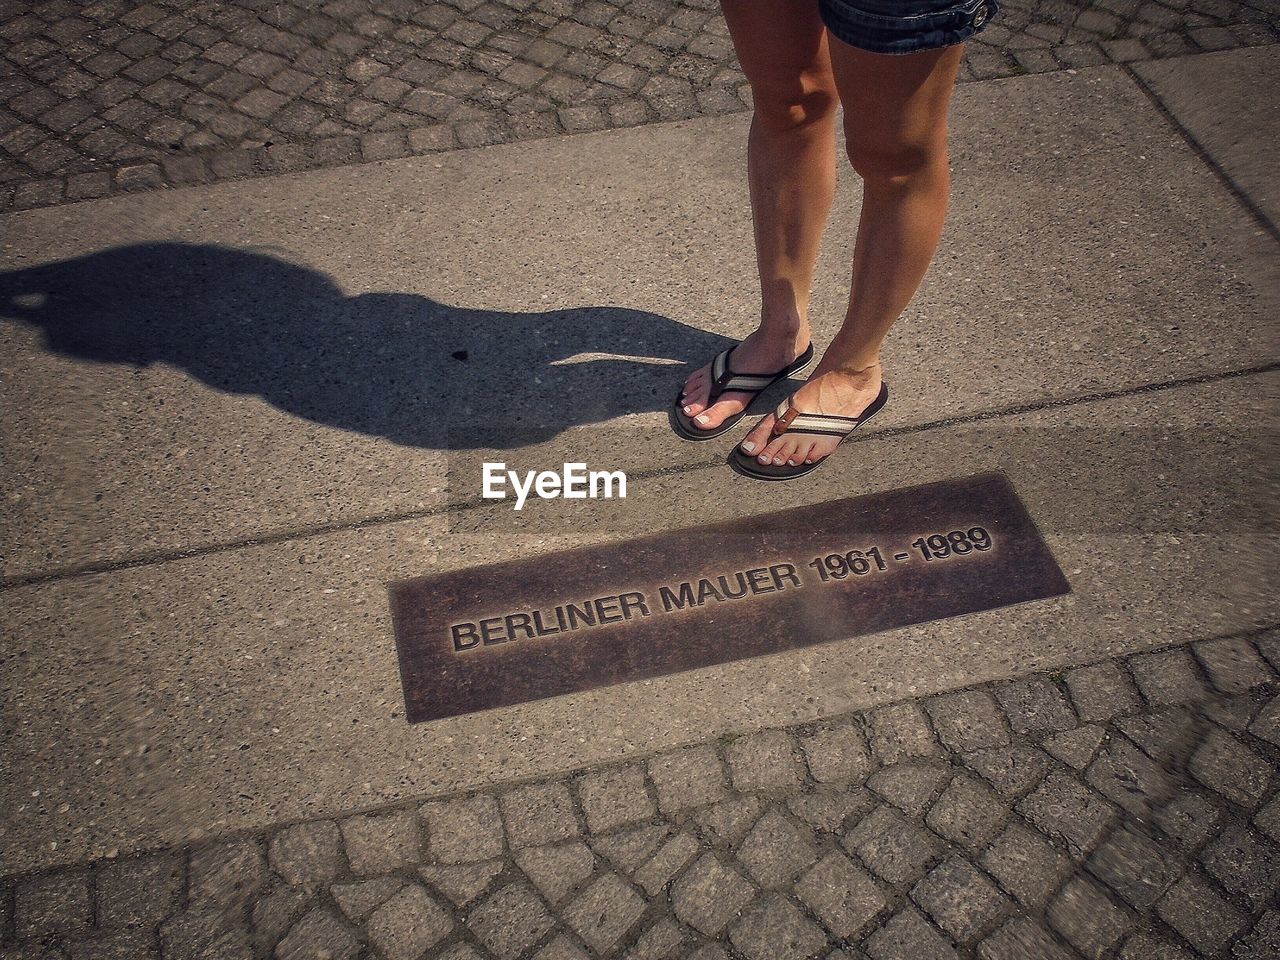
(716, 414)
(772, 451)
(819, 449)
(793, 451)
(786, 453)
(693, 396)
(758, 437)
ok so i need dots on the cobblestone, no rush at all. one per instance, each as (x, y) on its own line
(688, 778)
(963, 901)
(1135, 867)
(1087, 917)
(307, 853)
(1224, 764)
(1102, 691)
(1167, 678)
(895, 848)
(226, 875)
(1035, 704)
(359, 899)
(776, 850)
(461, 883)
(1262, 942)
(901, 732)
(1125, 775)
(612, 798)
(1189, 819)
(630, 848)
(1267, 722)
(138, 892)
(1233, 665)
(1144, 945)
(830, 811)
(408, 924)
(510, 921)
(1245, 864)
(671, 858)
(1026, 866)
(909, 936)
(381, 844)
(1068, 811)
(662, 941)
(1199, 914)
(1162, 735)
(538, 814)
(57, 903)
(1077, 747)
(196, 934)
(1164, 845)
(275, 913)
(765, 762)
(843, 896)
(774, 929)
(837, 754)
(1020, 939)
(1013, 771)
(604, 912)
(556, 871)
(710, 895)
(967, 813)
(464, 831)
(911, 787)
(968, 721)
(219, 78)
(319, 933)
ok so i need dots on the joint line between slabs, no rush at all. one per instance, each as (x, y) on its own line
(474, 503)
(1204, 156)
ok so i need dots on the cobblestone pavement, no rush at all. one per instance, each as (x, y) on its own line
(109, 96)
(1127, 809)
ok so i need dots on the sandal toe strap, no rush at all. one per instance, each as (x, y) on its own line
(725, 379)
(787, 417)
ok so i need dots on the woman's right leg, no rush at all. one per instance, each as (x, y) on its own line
(791, 169)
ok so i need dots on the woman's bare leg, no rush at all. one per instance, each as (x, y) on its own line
(895, 118)
(791, 168)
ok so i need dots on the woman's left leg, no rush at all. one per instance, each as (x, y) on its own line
(895, 119)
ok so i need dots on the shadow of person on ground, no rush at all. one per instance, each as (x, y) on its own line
(394, 365)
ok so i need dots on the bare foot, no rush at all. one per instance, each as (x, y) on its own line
(758, 353)
(834, 392)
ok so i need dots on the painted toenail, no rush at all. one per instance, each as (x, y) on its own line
(688, 409)
(791, 463)
(764, 458)
(749, 447)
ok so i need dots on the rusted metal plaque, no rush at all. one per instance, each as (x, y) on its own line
(594, 616)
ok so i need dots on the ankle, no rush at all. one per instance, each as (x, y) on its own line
(790, 333)
(860, 371)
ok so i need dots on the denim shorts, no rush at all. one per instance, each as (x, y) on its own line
(905, 26)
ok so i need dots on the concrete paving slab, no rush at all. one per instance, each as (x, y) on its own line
(259, 685)
(251, 361)
(1227, 102)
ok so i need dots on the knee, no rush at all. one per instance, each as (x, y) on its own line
(786, 107)
(895, 163)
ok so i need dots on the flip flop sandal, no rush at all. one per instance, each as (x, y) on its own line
(788, 418)
(724, 379)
